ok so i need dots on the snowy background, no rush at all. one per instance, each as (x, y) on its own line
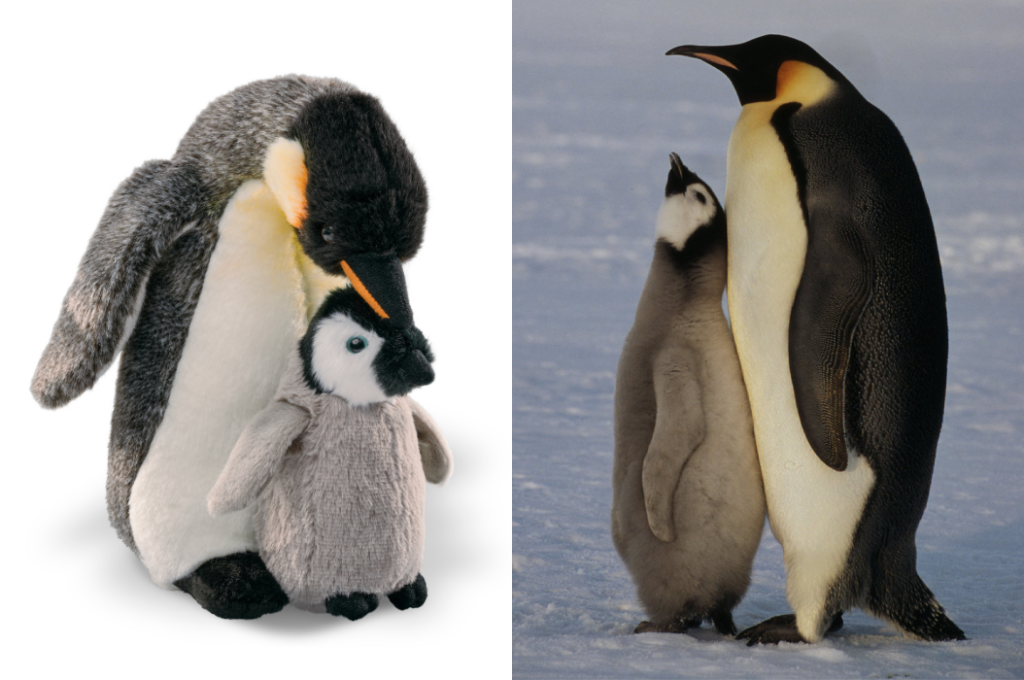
(596, 111)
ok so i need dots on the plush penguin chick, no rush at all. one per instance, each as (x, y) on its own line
(334, 467)
(203, 273)
(688, 506)
(839, 314)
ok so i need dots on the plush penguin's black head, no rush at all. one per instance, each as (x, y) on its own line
(364, 192)
(351, 351)
(753, 66)
(691, 215)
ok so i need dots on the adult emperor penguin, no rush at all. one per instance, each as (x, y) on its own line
(688, 505)
(203, 273)
(838, 310)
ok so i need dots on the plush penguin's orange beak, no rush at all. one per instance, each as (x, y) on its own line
(380, 281)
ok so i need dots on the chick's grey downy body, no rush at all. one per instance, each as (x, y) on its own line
(688, 506)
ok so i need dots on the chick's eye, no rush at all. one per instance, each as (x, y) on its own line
(700, 197)
(356, 344)
(329, 234)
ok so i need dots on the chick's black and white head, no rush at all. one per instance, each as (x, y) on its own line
(350, 352)
(689, 205)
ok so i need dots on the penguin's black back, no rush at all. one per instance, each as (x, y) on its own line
(858, 185)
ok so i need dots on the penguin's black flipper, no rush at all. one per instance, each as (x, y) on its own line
(144, 216)
(834, 289)
(235, 586)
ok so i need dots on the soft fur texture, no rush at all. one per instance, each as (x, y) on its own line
(688, 505)
(145, 275)
(340, 507)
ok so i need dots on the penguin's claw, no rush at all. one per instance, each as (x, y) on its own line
(353, 606)
(411, 595)
(237, 586)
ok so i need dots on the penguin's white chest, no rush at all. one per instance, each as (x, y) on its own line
(255, 302)
(813, 509)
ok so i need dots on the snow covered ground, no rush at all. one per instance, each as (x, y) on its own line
(596, 111)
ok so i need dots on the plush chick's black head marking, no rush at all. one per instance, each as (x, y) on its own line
(753, 66)
(363, 190)
(350, 351)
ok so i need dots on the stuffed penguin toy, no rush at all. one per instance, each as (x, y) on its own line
(202, 274)
(333, 465)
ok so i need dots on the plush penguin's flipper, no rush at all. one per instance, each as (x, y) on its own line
(679, 429)
(145, 215)
(434, 451)
(256, 457)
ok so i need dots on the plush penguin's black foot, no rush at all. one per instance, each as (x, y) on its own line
(235, 586)
(781, 629)
(353, 606)
(411, 595)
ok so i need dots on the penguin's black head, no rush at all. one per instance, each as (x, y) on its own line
(753, 66)
(350, 351)
(690, 208)
(347, 181)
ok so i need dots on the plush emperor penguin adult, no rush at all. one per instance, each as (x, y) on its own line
(203, 273)
(688, 505)
(838, 311)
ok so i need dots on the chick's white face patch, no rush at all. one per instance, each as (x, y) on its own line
(343, 354)
(682, 214)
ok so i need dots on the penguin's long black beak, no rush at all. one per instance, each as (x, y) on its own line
(380, 281)
(716, 56)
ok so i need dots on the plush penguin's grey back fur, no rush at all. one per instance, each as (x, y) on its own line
(685, 460)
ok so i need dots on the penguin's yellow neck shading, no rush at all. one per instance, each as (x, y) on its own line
(803, 83)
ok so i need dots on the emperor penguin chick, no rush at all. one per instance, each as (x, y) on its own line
(688, 507)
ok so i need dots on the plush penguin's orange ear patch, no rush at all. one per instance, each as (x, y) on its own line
(284, 170)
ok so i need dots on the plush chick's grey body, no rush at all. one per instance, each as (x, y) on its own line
(335, 469)
(202, 273)
(688, 507)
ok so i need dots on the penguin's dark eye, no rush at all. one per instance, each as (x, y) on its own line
(356, 344)
(700, 197)
(329, 234)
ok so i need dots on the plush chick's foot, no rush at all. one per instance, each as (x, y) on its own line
(411, 595)
(353, 606)
(237, 586)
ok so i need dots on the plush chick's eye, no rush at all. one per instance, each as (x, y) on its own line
(356, 344)
(328, 234)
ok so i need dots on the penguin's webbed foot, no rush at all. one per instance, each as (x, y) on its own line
(353, 606)
(237, 586)
(675, 626)
(411, 595)
(781, 629)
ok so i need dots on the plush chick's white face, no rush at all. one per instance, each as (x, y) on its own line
(342, 361)
(683, 213)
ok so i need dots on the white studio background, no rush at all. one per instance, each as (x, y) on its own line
(92, 90)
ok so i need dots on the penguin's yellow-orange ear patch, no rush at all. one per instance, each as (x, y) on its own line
(284, 170)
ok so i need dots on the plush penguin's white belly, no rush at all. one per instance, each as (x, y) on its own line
(813, 510)
(258, 293)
